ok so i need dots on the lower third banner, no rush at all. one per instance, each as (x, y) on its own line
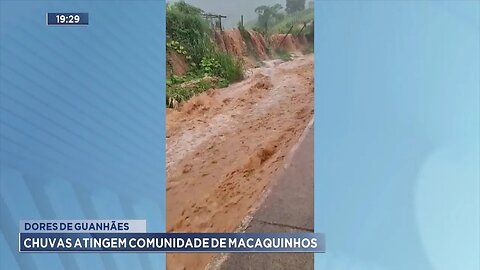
(171, 242)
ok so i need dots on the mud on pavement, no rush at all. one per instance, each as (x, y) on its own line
(225, 146)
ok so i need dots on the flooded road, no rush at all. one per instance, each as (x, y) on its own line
(225, 146)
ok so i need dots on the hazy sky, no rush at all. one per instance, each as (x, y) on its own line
(233, 9)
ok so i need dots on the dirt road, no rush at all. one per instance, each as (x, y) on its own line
(225, 146)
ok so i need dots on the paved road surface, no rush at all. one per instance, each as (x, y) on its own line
(288, 208)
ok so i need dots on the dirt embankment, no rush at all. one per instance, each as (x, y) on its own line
(177, 64)
(249, 46)
(288, 42)
(258, 43)
(253, 42)
(225, 146)
(233, 42)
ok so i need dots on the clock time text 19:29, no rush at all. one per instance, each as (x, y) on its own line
(67, 18)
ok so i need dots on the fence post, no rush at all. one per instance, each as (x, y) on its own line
(285, 36)
(304, 25)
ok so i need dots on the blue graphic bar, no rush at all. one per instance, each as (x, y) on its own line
(67, 18)
(172, 242)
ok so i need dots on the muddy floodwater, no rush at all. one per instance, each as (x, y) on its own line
(225, 146)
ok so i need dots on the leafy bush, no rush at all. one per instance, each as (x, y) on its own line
(188, 29)
(215, 71)
(210, 65)
(188, 34)
(182, 88)
(221, 65)
(230, 69)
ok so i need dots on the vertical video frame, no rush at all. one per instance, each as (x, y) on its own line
(239, 124)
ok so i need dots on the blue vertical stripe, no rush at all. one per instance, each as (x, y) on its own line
(82, 124)
(397, 116)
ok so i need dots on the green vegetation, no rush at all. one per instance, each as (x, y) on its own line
(223, 66)
(188, 34)
(268, 15)
(283, 54)
(182, 88)
(271, 19)
(296, 19)
(186, 28)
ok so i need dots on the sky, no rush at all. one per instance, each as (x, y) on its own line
(233, 9)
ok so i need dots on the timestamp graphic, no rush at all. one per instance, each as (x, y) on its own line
(67, 18)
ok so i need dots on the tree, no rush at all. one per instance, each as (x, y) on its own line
(294, 6)
(268, 15)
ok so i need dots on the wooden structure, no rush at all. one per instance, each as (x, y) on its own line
(215, 20)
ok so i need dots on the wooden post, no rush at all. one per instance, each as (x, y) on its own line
(213, 19)
(241, 20)
(304, 25)
(220, 22)
(285, 36)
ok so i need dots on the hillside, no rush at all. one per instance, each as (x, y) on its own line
(200, 58)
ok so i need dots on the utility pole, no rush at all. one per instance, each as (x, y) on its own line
(220, 22)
